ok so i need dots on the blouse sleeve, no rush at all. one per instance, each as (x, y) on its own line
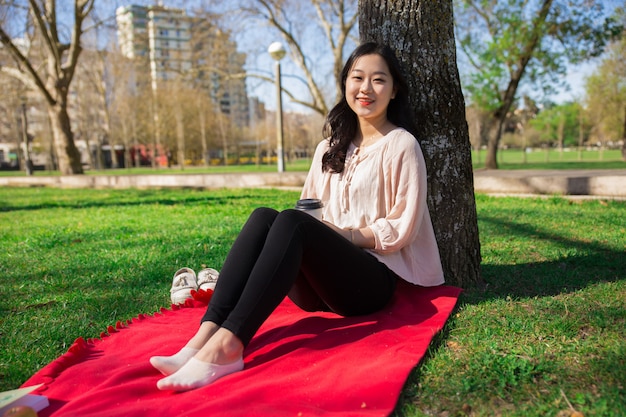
(311, 188)
(404, 196)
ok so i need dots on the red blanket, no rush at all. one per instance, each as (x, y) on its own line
(298, 364)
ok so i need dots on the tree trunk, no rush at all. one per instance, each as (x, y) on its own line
(421, 33)
(624, 137)
(203, 138)
(66, 151)
(491, 159)
(560, 132)
(126, 143)
(54, 161)
(220, 120)
(94, 163)
(493, 140)
(180, 137)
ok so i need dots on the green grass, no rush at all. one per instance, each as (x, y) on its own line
(549, 324)
(551, 317)
(553, 159)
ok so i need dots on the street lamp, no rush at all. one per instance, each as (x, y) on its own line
(277, 52)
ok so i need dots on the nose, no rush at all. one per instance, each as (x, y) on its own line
(366, 86)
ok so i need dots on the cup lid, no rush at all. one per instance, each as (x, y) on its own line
(309, 204)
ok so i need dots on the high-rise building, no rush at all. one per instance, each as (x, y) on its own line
(161, 33)
(177, 45)
(132, 31)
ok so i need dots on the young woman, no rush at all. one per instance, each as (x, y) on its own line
(376, 229)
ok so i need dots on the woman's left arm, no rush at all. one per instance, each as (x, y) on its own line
(363, 238)
(405, 196)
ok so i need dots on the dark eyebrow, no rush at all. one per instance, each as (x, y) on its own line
(376, 73)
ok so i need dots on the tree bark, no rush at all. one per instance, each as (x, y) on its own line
(180, 136)
(624, 137)
(493, 141)
(67, 153)
(421, 33)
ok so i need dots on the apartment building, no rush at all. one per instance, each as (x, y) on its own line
(177, 46)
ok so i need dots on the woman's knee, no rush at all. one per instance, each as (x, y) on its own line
(292, 216)
(291, 221)
(264, 214)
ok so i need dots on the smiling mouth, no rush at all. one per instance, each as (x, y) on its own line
(365, 101)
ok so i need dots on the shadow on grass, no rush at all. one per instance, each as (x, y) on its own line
(135, 198)
(594, 262)
(541, 279)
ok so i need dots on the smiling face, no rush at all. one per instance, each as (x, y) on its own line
(369, 88)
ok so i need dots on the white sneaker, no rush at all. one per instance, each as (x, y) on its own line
(184, 281)
(207, 279)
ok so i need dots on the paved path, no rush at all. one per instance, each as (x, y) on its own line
(597, 183)
(593, 182)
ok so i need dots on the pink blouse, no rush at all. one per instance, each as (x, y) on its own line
(383, 187)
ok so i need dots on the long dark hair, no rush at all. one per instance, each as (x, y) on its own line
(341, 124)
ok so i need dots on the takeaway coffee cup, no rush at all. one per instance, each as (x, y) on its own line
(312, 206)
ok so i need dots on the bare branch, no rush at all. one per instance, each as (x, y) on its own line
(326, 26)
(82, 8)
(47, 27)
(20, 76)
(298, 57)
(35, 80)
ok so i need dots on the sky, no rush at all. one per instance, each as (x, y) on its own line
(254, 41)
(576, 82)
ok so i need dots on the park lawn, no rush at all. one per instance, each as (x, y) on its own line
(550, 158)
(547, 330)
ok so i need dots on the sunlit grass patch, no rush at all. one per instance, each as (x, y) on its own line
(548, 325)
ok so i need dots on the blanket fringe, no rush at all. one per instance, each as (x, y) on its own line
(81, 347)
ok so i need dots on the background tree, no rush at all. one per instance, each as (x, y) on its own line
(52, 79)
(292, 19)
(422, 34)
(606, 95)
(11, 126)
(129, 97)
(560, 125)
(509, 43)
(90, 108)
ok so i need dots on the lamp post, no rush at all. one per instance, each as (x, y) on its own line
(28, 163)
(277, 52)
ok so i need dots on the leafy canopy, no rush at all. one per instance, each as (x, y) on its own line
(606, 91)
(510, 43)
(560, 121)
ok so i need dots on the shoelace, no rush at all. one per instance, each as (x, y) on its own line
(352, 160)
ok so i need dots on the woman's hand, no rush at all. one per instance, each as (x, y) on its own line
(343, 232)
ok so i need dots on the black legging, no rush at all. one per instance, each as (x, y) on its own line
(291, 253)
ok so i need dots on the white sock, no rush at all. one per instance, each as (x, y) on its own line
(196, 374)
(167, 365)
